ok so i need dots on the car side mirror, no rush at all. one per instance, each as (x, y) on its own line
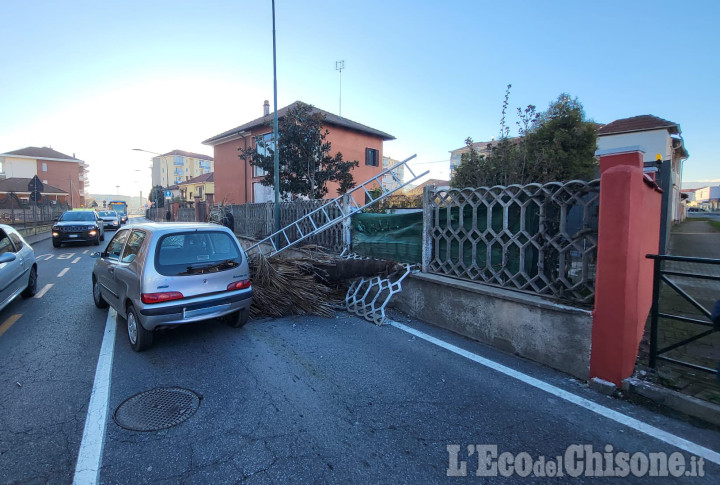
(96, 254)
(7, 257)
(56, 219)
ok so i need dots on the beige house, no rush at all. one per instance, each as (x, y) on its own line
(200, 188)
(657, 138)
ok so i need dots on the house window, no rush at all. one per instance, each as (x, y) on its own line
(44, 167)
(199, 190)
(371, 157)
(267, 139)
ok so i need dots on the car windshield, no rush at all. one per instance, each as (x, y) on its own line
(78, 216)
(197, 252)
(107, 214)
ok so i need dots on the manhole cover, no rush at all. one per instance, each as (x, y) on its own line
(156, 409)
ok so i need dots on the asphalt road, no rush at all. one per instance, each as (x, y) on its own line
(291, 400)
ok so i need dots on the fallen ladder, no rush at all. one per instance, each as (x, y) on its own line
(282, 237)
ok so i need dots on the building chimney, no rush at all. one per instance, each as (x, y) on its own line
(266, 108)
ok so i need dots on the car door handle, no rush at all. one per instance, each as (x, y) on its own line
(111, 270)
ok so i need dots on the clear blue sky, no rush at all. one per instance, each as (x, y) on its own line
(100, 78)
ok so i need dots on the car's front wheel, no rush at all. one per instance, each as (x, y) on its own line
(97, 296)
(238, 319)
(56, 244)
(140, 338)
(31, 288)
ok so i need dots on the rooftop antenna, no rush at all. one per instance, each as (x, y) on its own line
(339, 66)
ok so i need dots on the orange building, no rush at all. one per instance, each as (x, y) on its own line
(53, 168)
(238, 182)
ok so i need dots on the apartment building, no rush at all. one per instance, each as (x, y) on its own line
(179, 166)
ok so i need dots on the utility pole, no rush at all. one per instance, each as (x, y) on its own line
(339, 66)
(276, 144)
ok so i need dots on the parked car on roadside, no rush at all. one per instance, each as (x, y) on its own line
(110, 219)
(78, 226)
(18, 269)
(166, 275)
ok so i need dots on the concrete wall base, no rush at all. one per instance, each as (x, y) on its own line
(556, 335)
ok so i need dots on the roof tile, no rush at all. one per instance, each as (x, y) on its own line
(329, 118)
(638, 123)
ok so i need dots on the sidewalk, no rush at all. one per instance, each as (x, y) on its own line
(36, 238)
(697, 239)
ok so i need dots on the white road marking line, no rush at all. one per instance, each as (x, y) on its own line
(66, 256)
(42, 292)
(76, 260)
(613, 415)
(86, 251)
(44, 257)
(61, 273)
(87, 469)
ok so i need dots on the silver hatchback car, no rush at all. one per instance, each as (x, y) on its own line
(18, 269)
(166, 275)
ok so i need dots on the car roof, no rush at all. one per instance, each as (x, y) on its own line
(171, 227)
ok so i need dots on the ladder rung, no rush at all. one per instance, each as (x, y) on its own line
(345, 212)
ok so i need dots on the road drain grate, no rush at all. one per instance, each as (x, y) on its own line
(156, 409)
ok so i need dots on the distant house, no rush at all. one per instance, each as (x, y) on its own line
(418, 190)
(655, 136)
(236, 181)
(707, 198)
(177, 166)
(200, 188)
(482, 147)
(19, 187)
(53, 168)
(387, 180)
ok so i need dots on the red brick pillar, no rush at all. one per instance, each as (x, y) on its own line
(629, 228)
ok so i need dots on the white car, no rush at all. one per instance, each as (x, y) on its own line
(110, 219)
(18, 269)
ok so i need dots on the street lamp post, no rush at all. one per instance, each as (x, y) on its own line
(276, 145)
(167, 173)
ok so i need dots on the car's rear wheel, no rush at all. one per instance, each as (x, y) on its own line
(31, 288)
(97, 296)
(140, 338)
(238, 319)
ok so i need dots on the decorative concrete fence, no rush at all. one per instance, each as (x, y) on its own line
(534, 248)
(536, 238)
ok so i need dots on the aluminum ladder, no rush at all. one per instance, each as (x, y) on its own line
(326, 220)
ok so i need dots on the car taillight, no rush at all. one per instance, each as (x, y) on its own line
(239, 285)
(149, 298)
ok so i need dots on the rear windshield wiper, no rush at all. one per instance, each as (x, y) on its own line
(210, 268)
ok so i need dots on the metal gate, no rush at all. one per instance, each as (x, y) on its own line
(693, 283)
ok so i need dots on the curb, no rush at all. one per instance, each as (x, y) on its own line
(688, 405)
